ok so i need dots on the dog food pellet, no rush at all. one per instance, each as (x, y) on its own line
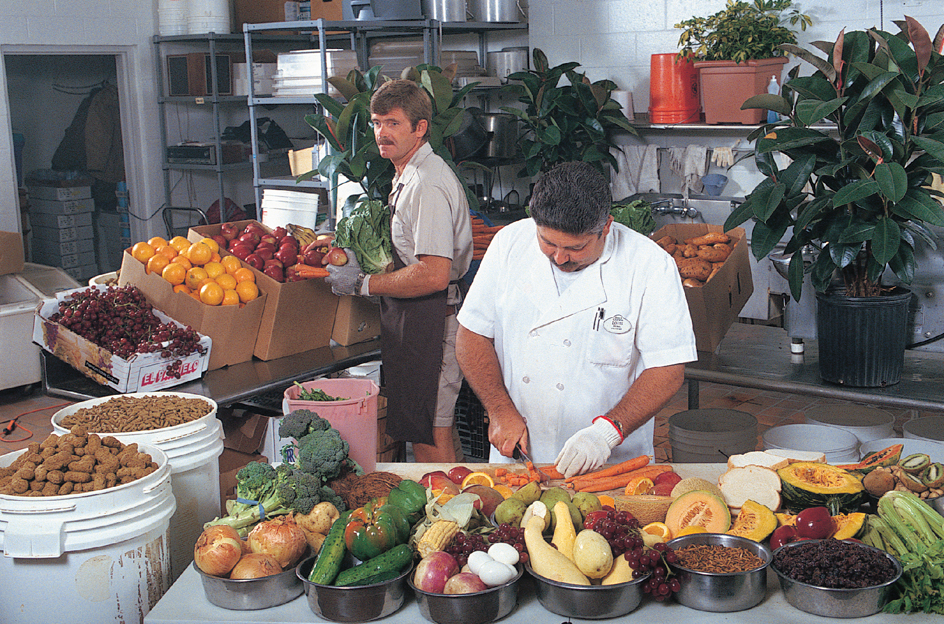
(125, 414)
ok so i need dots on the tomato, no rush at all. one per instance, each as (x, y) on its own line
(783, 535)
(815, 523)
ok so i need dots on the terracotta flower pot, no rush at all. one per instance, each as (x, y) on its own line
(725, 85)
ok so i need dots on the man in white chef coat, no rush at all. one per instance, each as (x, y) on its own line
(575, 331)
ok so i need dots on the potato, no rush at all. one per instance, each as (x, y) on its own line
(694, 268)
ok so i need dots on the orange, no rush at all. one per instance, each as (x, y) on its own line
(182, 288)
(179, 243)
(195, 295)
(212, 244)
(142, 252)
(157, 241)
(211, 293)
(244, 275)
(215, 257)
(477, 478)
(226, 281)
(167, 251)
(208, 280)
(231, 264)
(639, 485)
(199, 254)
(503, 489)
(174, 273)
(156, 264)
(229, 297)
(247, 291)
(692, 530)
(194, 277)
(182, 261)
(606, 499)
(214, 269)
(659, 529)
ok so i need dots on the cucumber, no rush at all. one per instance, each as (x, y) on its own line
(381, 568)
(332, 551)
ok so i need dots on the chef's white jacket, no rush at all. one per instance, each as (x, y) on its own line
(568, 358)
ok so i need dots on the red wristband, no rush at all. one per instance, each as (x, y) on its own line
(619, 429)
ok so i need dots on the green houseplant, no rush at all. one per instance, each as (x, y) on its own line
(864, 134)
(736, 51)
(564, 122)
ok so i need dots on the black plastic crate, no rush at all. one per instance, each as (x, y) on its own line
(472, 424)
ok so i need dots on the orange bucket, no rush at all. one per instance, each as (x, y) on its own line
(673, 90)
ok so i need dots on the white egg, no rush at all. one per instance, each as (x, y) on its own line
(503, 552)
(477, 559)
(495, 573)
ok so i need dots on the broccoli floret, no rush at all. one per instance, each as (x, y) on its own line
(329, 495)
(257, 484)
(322, 453)
(302, 491)
(300, 423)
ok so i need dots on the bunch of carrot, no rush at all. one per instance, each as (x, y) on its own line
(616, 476)
(482, 235)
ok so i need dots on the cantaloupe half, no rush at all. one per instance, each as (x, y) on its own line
(698, 508)
(645, 507)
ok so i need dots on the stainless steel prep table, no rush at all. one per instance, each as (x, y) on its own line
(757, 356)
(230, 385)
(186, 603)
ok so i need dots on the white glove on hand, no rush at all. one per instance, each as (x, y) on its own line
(343, 279)
(588, 449)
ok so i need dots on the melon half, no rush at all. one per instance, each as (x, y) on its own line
(698, 508)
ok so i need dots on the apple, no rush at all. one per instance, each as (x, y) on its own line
(313, 257)
(279, 233)
(220, 240)
(490, 498)
(434, 570)
(255, 227)
(268, 245)
(335, 256)
(265, 252)
(288, 240)
(783, 535)
(458, 473)
(427, 479)
(275, 272)
(250, 237)
(464, 583)
(241, 251)
(268, 238)
(254, 261)
(670, 476)
(662, 489)
(286, 255)
(229, 231)
(815, 523)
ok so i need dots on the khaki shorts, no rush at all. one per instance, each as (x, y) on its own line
(450, 377)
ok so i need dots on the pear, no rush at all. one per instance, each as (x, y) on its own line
(510, 511)
(528, 493)
(587, 502)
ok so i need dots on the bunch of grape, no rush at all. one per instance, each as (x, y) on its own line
(621, 531)
(121, 320)
(510, 535)
(464, 544)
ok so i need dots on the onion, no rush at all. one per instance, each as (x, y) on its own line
(217, 550)
(281, 538)
(255, 565)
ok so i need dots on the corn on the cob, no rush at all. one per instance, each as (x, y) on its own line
(437, 537)
(304, 235)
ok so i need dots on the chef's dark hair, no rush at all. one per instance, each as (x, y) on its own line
(406, 95)
(573, 198)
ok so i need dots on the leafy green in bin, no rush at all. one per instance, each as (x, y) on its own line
(315, 394)
(636, 215)
(367, 232)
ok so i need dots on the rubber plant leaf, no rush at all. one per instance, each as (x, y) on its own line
(795, 274)
(903, 264)
(885, 241)
(828, 70)
(797, 174)
(892, 180)
(810, 111)
(854, 191)
(768, 101)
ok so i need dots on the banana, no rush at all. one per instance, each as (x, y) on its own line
(304, 235)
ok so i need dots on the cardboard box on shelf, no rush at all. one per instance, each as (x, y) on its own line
(244, 431)
(11, 252)
(264, 11)
(232, 328)
(715, 306)
(144, 372)
(230, 463)
(298, 316)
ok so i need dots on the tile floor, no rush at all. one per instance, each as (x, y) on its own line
(34, 410)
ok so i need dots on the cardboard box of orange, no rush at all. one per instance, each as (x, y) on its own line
(715, 306)
(232, 328)
(299, 316)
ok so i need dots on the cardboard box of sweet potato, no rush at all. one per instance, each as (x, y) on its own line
(715, 306)
(298, 316)
(232, 328)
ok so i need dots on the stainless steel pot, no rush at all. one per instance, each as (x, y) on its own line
(506, 61)
(445, 10)
(471, 137)
(496, 10)
(502, 132)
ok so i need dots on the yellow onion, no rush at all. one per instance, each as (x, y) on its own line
(255, 565)
(280, 537)
(217, 550)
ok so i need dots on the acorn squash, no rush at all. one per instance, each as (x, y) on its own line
(754, 521)
(811, 484)
(848, 525)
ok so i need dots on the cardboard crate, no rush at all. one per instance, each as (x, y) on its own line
(50, 220)
(144, 372)
(232, 328)
(66, 261)
(57, 248)
(55, 207)
(11, 253)
(298, 316)
(63, 234)
(263, 11)
(357, 320)
(715, 306)
(60, 193)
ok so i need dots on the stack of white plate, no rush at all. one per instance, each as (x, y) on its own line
(299, 71)
(840, 447)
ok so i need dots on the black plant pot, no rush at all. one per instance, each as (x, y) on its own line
(862, 339)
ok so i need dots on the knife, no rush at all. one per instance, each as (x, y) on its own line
(543, 478)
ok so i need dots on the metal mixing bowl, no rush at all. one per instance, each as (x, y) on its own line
(251, 594)
(479, 608)
(588, 602)
(362, 603)
(721, 592)
(836, 603)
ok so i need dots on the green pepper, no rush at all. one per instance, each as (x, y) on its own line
(375, 528)
(409, 496)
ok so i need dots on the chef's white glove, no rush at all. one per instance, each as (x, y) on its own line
(588, 449)
(344, 279)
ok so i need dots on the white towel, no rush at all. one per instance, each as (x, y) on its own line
(690, 164)
(638, 171)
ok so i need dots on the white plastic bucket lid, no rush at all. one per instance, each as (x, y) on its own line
(925, 428)
(865, 423)
(839, 446)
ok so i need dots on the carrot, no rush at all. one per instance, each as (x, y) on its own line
(602, 485)
(551, 472)
(616, 469)
(501, 472)
(306, 271)
(650, 472)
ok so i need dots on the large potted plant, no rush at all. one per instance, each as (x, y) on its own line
(736, 51)
(864, 133)
(565, 122)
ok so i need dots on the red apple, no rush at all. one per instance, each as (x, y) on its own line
(274, 262)
(663, 489)
(427, 479)
(335, 256)
(265, 252)
(250, 237)
(255, 261)
(287, 256)
(268, 238)
(434, 570)
(313, 257)
(241, 251)
(671, 477)
(288, 240)
(279, 232)
(229, 231)
(220, 240)
(268, 245)
(275, 272)
(252, 226)
(464, 583)
(458, 473)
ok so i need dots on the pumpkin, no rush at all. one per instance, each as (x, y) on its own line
(811, 484)
(754, 521)
(848, 525)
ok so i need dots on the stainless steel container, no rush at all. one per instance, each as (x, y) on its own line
(479, 608)
(502, 132)
(352, 604)
(588, 602)
(251, 594)
(502, 63)
(445, 10)
(721, 592)
(496, 10)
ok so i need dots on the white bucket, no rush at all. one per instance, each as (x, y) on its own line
(192, 450)
(865, 423)
(91, 557)
(172, 17)
(711, 435)
(206, 16)
(840, 447)
(925, 428)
